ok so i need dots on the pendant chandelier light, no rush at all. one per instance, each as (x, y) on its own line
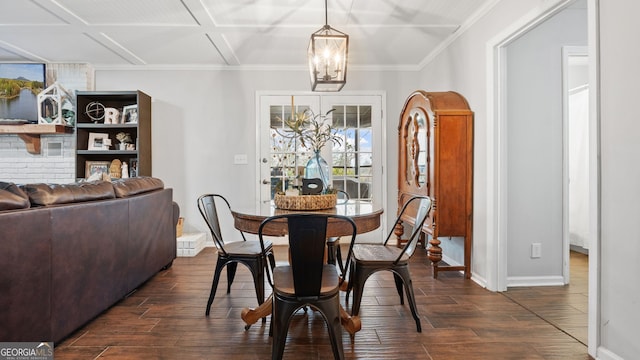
(327, 53)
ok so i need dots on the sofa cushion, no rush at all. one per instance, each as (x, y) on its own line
(136, 185)
(52, 194)
(11, 197)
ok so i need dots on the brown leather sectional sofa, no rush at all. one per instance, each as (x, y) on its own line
(69, 252)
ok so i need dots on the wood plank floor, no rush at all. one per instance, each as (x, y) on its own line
(165, 319)
(563, 306)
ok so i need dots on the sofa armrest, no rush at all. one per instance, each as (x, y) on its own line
(12, 197)
(176, 214)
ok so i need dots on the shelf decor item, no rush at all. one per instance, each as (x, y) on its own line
(111, 115)
(55, 106)
(125, 140)
(133, 167)
(98, 141)
(95, 169)
(115, 169)
(130, 114)
(95, 111)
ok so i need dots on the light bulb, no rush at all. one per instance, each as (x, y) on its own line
(327, 53)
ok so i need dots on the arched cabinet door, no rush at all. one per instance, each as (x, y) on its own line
(415, 133)
(436, 159)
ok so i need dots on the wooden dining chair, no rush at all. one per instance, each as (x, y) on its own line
(365, 259)
(247, 252)
(307, 281)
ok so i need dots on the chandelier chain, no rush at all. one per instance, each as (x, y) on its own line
(326, 14)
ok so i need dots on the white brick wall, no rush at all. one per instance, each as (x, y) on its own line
(18, 166)
(190, 244)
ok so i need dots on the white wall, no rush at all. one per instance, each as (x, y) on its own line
(620, 178)
(202, 118)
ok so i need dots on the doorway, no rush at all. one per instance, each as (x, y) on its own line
(537, 136)
(575, 70)
(501, 205)
(356, 163)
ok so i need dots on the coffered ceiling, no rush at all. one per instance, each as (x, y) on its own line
(399, 34)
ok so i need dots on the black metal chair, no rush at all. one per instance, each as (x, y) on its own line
(307, 281)
(334, 254)
(247, 252)
(366, 259)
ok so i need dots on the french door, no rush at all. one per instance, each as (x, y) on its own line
(356, 163)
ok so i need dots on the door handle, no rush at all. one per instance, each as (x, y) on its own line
(265, 181)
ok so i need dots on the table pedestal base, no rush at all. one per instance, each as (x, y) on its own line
(250, 316)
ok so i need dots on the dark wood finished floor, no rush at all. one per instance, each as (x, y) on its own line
(165, 319)
(563, 306)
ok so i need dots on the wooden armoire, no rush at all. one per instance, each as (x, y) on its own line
(436, 159)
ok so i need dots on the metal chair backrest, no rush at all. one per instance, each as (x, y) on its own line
(307, 239)
(208, 210)
(422, 211)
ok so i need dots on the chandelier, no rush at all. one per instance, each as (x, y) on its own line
(327, 53)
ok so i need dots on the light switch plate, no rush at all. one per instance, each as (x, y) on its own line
(240, 159)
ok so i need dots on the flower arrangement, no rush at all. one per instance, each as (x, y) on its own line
(311, 130)
(124, 138)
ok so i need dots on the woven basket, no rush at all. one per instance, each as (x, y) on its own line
(305, 202)
(179, 227)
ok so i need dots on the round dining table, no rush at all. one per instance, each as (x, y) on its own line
(365, 214)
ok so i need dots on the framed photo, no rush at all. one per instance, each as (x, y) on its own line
(133, 167)
(98, 141)
(96, 167)
(130, 114)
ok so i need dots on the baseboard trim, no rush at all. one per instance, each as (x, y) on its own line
(522, 281)
(606, 354)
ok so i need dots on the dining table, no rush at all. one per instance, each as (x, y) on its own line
(365, 214)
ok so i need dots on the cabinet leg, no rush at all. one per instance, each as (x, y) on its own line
(435, 255)
(398, 230)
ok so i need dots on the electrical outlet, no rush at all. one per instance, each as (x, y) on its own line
(536, 250)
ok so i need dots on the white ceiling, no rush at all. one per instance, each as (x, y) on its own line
(226, 33)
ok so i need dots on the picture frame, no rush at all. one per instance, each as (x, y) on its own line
(92, 168)
(133, 167)
(130, 114)
(98, 141)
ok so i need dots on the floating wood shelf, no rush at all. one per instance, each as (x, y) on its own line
(30, 133)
